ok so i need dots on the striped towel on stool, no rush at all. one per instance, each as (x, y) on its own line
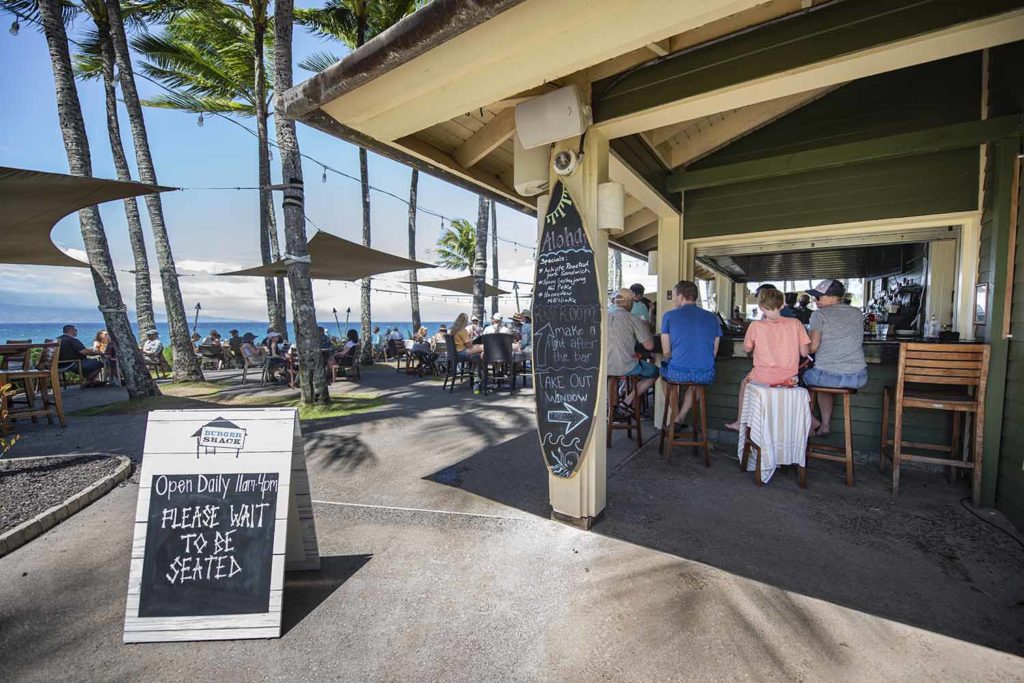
(779, 421)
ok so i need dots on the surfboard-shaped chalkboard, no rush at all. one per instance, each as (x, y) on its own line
(567, 336)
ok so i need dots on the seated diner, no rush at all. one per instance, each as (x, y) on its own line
(689, 340)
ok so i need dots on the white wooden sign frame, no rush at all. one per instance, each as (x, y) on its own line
(270, 441)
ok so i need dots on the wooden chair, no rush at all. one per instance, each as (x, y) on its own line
(844, 453)
(949, 377)
(348, 362)
(748, 446)
(17, 361)
(673, 391)
(614, 421)
(44, 378)
(155, 362)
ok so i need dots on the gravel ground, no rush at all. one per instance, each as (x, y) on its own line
(27, 489)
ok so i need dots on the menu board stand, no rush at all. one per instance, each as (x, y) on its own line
(224, 509)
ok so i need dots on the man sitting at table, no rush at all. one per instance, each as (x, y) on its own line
(497, 326)
(689, 340)
(625, 331)
(71, 349)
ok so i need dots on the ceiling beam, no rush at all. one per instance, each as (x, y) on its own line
(837, 43)
(620, 172)
(488, 138)
(637, 221)
(631, 205)
(696, 141)
(643, 234)
(955, 136)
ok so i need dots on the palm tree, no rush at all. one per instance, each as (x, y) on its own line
(311, 362)
(185, 363)
(96, 61)
(414, 295)
(494, 256)
(213, 58)
(456, 246)
(353, 22)
(76, 144)
(616, 275)
(480, 260)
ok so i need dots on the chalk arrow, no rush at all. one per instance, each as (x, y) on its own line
(571, 417)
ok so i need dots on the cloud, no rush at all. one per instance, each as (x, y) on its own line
(76, 253)
(212, 267)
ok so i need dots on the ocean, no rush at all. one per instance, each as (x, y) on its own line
(37, 332)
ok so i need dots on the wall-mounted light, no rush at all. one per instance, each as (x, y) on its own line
(611, 202)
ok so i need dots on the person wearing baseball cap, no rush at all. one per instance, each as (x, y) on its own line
(837, 343)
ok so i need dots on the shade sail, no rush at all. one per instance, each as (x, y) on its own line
(34, 201)
(462, 285)
(334, 258)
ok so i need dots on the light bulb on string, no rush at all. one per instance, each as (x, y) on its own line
(324, 177)
(201, 121)
(270, 153)
(15, 27)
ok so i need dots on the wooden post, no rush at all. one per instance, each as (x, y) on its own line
(579, 500)
(670, 271)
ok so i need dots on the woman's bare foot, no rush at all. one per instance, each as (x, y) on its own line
(822, 431)
(734, 426)
(815, 424)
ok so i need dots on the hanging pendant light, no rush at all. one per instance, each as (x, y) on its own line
(15, 27)
(200, 121)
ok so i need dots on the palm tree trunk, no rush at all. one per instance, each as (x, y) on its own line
(414, 294)
(480, 262)
(186, 364)
(616, 278)
(143, 287)
(263, 141)
(494, 256)
(275, 253)
(312, 378)
(366, 355)
(76, 144)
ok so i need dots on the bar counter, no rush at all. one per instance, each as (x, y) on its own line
(882, 356)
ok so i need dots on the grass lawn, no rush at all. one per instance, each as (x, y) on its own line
(204, 395)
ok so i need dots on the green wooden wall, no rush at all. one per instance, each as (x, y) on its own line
(1006, 96)
(926, 96)
(865, 408)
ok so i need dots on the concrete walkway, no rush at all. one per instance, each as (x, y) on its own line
(440, 564)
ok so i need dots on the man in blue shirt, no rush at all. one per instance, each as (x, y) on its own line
(689, 340)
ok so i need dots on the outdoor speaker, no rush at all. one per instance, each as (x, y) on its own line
(558, 115)
(530, 169)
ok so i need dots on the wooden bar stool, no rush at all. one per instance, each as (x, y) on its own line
(748, 446)
(960, 372)
(844, 453)
(614, 421)
(673, 391)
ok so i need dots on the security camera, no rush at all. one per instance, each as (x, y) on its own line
(565, 162)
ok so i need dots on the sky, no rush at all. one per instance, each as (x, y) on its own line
(214, 231)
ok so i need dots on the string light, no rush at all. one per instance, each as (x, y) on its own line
(200, 121)
(324, 177)
(15, 26)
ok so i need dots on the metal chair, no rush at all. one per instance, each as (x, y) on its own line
(455, 368)
(498, 361)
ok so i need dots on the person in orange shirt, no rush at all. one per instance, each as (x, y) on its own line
(777, 343)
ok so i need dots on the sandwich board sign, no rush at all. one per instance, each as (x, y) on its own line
(224, 509)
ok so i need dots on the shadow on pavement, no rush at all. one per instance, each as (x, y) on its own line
(919, 558)
(305, 591)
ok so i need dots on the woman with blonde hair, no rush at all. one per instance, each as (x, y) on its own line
(99, 344)
(465, 349)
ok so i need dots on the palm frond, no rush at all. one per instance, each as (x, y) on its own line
(194, 104)
(319, 61)
(88, 60)
(336, 19)
(456, 246)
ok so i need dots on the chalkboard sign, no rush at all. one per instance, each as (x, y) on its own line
(567, 312)
(224, 508)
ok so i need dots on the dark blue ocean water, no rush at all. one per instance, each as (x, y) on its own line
(37, 332)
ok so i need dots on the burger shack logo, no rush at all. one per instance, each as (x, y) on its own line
(219, 434)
